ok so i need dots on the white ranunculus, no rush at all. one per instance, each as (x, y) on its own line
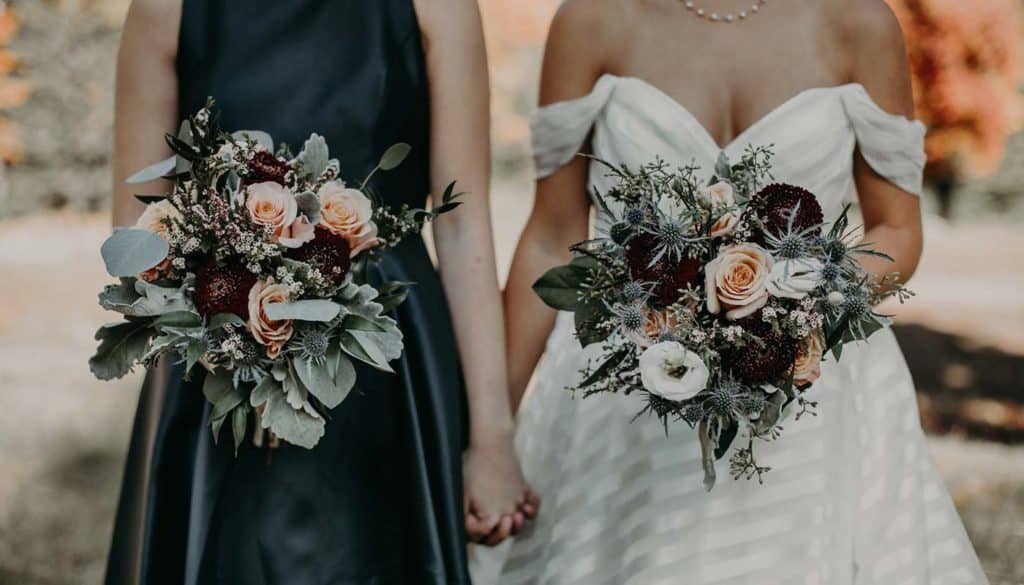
(794, 279)
(673, 372)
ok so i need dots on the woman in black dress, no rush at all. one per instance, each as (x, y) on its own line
(410, 462)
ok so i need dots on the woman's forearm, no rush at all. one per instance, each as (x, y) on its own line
(471, 286)
(529, 320)
(902, 243)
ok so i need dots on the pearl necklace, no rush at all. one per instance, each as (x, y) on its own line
(727, 17)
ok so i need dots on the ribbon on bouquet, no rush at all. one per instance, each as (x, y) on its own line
(707, 455)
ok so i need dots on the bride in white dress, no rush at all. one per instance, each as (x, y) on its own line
(853, 497)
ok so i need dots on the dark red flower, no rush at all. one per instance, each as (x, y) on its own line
(766, 361)
(264, 167)
(669, 276)
(327, 252)
(223, 289)
(775, 203)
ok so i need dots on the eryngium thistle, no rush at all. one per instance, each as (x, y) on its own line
(631, 317)
(633, 291)
(312, 345)
(223, 289)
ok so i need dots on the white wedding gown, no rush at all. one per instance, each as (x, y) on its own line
(853, 497)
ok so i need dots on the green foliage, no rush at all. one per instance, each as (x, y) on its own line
(130, 251)
(121, 345)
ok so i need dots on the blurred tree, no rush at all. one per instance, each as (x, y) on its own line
(966, 61)
(13, 92)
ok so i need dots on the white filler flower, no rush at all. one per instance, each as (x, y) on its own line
(794, 279)
(673, 372)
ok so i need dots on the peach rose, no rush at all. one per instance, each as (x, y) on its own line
(299, 232)
(807, 367)
(656, 323)
(721, 199)
(737, 280)
(349, 214)
(272, 334)
(155, 219)
(272, 205)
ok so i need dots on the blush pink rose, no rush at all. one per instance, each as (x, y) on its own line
(348, 213)
(270, 333)
(271, 205)
(156, 218)
(298, 233)
(737, 280)
(807, 368)
(721, 200)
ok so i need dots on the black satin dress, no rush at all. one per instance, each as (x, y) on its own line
(379, 500)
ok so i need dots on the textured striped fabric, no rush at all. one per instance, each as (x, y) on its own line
(853, 497)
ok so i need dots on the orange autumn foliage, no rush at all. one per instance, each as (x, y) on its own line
(966, 61)
(13, 92)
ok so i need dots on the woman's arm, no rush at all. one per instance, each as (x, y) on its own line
(460, 149)
(146, 100)
(561, 209)
(892, 217)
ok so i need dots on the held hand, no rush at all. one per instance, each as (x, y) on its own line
(497, 500)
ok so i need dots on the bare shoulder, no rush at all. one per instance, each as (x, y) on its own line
(445, 18)
(583, 34)
(156, 21)
(872, 40)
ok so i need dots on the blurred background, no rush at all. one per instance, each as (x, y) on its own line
(63, 435)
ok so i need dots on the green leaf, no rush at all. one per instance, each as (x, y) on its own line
(602, 370)
(147, 199)
(394, 156)
(121, 345)
(262, 392)
(356, 344)
(588, 317)
(224, 319)
(196, 349)
(392, 295)
(299, 426)
(217, 386)
(130, 251)
(559, 287)
(314, 157)
(318, 380)
(179, 319)
(725, 438)
(354, 322)
(138, 298)
(309, 310)
(240, 424)
(160, 170)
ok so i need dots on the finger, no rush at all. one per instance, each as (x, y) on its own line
(474, 528)
(528, 510)
(518, 522)
(503, 531)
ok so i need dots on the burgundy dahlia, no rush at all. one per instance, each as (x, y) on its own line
(761, 362)
(775, 203)
(327, 252)
(223, 289)
(669, 276)
(264, 167)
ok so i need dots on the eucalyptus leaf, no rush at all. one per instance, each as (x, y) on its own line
(302, 427)
(121, 345)
(559, 287)
(314, 156)
(364, 350)
(318, 380)
(130, 251)
(308, 310)
(394, 156)
(355, 322)
(196, 349)
(179, 319)
(160, 170)
(217, 386)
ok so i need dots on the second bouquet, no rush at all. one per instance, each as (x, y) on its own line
(254, 268)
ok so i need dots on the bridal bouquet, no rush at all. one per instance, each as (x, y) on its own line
(716, 300)
(254, 268)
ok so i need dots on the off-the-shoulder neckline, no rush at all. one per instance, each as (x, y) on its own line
(610, 78)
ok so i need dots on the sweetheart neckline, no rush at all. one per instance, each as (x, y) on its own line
(739, 138)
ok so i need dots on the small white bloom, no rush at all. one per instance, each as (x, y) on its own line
(794, 279)
(836, 298)
(671, 371)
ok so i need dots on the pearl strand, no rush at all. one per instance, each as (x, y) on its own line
(726, 18)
